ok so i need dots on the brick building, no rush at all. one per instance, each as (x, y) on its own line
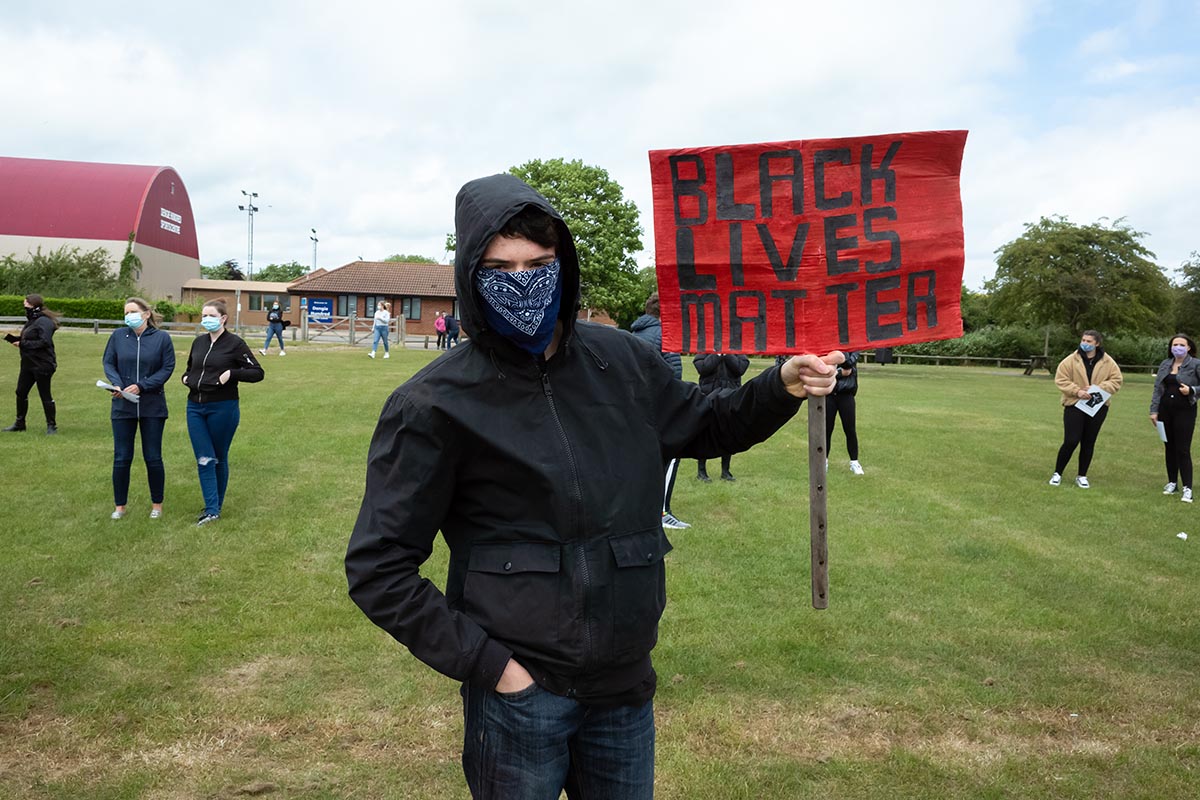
(415, 292)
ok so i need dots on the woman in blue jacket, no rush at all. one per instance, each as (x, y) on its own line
(139, 358)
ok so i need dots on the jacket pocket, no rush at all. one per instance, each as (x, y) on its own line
(512, 592)
(639, 591)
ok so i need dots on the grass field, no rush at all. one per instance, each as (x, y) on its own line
(988, 636)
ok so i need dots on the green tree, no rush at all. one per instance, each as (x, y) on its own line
(604, 225)
(1187, 297)
(281, 273)
(131, 267)
(227, 270)
(976, 310)
(65, 272)
(1081, 276)
(410, 259)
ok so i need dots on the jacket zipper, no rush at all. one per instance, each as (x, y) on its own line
(137, 373)
(576, 503)
(203, 364)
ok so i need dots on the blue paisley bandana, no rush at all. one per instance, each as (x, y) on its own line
(522, 306)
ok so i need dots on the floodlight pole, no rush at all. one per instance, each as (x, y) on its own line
(249, 208)
(314, 241)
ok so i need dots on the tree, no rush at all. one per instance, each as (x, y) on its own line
(1091, 276)
(976, 310)
(227, 270)
(408, 259)
(65, 272)
(1187, 297)
(604, 225)
(281, 273)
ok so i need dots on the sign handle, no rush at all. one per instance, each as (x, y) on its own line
(818, 516)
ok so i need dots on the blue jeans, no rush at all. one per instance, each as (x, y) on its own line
(274, 329)
(381, 334)
(211, 427)
(124, 432)
(531, 744)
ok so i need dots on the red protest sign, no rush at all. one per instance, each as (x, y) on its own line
(809, 246)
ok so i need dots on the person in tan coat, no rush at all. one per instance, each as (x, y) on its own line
(1086, 367)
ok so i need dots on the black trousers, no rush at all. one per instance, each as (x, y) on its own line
(841, 404)
(25, 382)
(1180, 424)
(1079, 430)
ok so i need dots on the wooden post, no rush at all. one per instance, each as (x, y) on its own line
(817, 508)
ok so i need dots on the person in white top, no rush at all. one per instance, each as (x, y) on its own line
(383, 319)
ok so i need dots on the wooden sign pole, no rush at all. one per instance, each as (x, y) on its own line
(817, 507)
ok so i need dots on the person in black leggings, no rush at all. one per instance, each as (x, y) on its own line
(841, 403)
(1173, 403)
(1088, 366)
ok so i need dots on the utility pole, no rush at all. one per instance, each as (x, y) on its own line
(249, 208)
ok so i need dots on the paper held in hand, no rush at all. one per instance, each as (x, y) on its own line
(130, 396)
(1095, 400)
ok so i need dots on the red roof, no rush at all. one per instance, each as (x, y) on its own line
(81, 200)
(391, 278)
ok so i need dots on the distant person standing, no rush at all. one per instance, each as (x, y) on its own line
(1173, 403)
(841, 403)
(274, 328)
(218, 362)
(648, 328)
(1088, 366)
(451, 331)
(38, 362)
(139, 358)
(439, 325)
(719, 371)
(382, 328)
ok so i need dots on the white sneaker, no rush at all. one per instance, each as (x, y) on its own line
(856, 468)
(1187, 495)
(371, 353)
(387, 355)
(1082, 483)
(1169, 488)
(669, 521)
(1055, 479)
(263, 352)
(283, 352)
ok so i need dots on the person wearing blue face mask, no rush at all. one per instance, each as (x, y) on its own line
(1173, 403)
(1088, 366)
(537, 448)
(218, 361)
(139, 359)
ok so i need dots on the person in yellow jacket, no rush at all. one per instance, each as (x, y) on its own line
(1086, 367)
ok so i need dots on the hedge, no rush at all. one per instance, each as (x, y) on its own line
(1021, 342)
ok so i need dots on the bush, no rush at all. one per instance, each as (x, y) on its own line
(166, 310)
(79, 307)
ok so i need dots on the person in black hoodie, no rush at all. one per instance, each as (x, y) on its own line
(537, 449)
(719, 371)
(218, 362)
(38, 363)
(842, 403)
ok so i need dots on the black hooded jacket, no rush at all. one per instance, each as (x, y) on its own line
(544, 476)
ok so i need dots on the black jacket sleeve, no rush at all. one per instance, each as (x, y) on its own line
(410, 472)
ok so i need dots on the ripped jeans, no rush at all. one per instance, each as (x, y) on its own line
(211, 427)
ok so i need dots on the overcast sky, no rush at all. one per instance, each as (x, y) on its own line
(363, 119)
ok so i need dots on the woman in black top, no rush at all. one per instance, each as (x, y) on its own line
(38, 363)
(718, 371)
(218, 362)
(842, 404)
(1173, 403)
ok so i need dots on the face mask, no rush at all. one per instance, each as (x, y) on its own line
(211, 324)
(30, 313)
(1179, 350)
(522, 306)
(134, 319)
(276, 305)
(1086, 347)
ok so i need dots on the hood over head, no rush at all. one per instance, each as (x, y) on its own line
(482, 208)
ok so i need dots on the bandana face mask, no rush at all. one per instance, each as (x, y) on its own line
(522, 306)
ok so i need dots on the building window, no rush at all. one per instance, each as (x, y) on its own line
(268, 299)
(255, 301)
(372, 304)
(347, 304)
(411, 307)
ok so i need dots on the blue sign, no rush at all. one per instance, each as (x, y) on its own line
(320, 309)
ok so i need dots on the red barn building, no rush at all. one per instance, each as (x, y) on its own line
(49, 204)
